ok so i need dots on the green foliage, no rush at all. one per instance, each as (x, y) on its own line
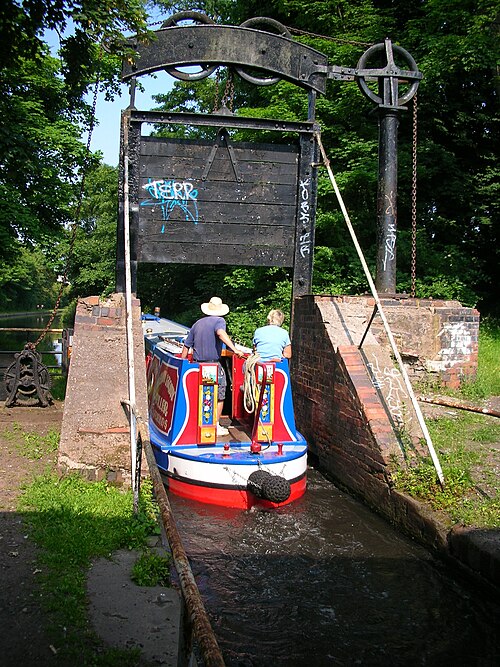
(457, 205)
(487, 382)
(30, 444)
(68, 315)
(93, 261)
(58, 388)
(151, 569)
(462, 462)
(249, 292)
(73, 522)
(458, 177)
(43, 110)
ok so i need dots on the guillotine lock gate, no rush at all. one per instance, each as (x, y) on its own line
(231, 202)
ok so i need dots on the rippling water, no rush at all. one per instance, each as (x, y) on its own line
(326, 582)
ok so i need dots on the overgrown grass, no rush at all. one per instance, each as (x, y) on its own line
(465, 468)
(73, 522)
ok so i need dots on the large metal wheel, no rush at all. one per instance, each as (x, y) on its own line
(198, 18)
(274, 26)
(391, 69)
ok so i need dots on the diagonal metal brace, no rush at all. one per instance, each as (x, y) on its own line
(222, 137)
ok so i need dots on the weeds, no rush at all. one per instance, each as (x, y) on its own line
(151, 569)
(73, 522)
(31, 445)
(464, 466)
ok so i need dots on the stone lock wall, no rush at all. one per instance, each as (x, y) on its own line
(438, 340)
(95, 434)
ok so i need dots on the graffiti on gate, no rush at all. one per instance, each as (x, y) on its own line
(171, 194)
(304, 217)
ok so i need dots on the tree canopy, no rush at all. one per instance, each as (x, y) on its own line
(44, 115)
(455, 46)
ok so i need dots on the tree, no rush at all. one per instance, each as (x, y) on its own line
(456, 47)
(93, 257)
(43, 111)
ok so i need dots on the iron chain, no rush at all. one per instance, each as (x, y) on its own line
(414, 202)
(78, 207)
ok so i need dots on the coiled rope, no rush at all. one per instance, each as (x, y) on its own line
(250, 383)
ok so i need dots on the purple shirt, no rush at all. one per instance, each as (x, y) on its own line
(202, 337)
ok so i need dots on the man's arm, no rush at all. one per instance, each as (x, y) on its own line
(185, 352)
(287, 351)
(228, 342)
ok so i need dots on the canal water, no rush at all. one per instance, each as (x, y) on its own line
(325, 581)
(12, 342)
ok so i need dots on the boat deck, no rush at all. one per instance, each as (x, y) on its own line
(238, 432)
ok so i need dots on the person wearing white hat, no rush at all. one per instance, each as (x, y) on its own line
(205, 338)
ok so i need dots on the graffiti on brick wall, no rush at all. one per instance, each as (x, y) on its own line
(391, 384)
(456, 340)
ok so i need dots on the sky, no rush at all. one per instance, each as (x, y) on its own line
(106, 133)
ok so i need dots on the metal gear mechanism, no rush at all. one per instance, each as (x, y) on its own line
(27, 380)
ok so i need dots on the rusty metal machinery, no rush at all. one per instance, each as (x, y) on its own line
(27, 380)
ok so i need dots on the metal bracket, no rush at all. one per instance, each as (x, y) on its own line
(222, 136)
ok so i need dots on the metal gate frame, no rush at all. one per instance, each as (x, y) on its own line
(263, 57)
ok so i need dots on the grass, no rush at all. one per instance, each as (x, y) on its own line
(151, 569)
(487, 382)
(73, 522)
(31, 445)
(467, 447)
(471, 493)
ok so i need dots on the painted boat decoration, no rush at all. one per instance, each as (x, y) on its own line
(263, 460)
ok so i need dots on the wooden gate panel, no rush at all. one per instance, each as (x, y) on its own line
(231, 204)
(217, 233)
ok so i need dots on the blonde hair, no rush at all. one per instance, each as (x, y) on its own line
(275, 317)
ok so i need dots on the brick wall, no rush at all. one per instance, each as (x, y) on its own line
(337, 407)
(353, 424)
(437, 339)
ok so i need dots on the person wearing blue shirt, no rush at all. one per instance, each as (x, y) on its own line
(271, 342)
(205, 339)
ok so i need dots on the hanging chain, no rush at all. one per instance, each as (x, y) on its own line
(414, 201)
(228, 97)
(74, 226)
(216, 96)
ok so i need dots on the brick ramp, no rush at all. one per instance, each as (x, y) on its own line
(95, 435)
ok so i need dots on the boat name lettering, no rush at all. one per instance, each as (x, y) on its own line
(169, 386)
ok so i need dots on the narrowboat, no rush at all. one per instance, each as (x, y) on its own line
(262, 461)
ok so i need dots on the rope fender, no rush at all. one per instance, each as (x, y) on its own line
(274, 488)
